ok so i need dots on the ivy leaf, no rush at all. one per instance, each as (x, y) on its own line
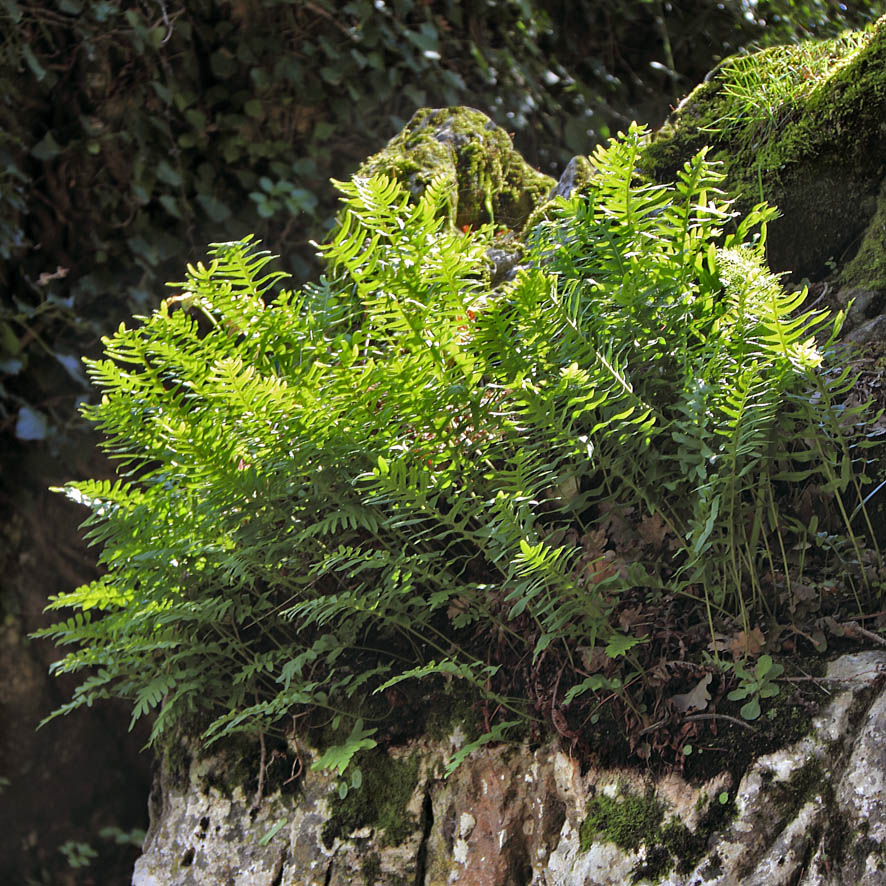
(168, 174)
(46, 149)
(254, 108)
(31, 424)
(36, 68)
(214, 207)
(74, 368)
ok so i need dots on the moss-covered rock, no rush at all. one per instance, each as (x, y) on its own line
(488, 179)
(802, 127)
(812, 812)
(628, 821)
(638, 824)
(381, 802)
(867, 268)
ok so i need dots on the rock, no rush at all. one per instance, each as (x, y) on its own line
(78, 774)
(488, 180)
(817, 155)
(504, 264)
(859, 303)
(868, 266)
(811, 814)
(576, 174)
(872, 331)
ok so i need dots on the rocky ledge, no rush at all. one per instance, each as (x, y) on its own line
(811, 814)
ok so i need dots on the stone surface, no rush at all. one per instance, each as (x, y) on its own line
(487, 178)
(811, 814)
(821, 164)
(78, 774)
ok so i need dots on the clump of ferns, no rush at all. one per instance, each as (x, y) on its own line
(391, 475)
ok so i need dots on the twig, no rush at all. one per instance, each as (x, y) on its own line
(824, 292)
(295, 773)
(319, 10)
(809, 678)
(166, 22)
(693, 717)
(744, 725)
(853, 627)
(261, 769)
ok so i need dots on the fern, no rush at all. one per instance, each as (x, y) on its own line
(390, 476)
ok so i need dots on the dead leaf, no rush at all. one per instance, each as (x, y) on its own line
(652, 530)
(750, 643)
(458, 607)
(621, 533)
(594, 542)
(802, 592)
(627, 618)
(719, 643)
(601, 568)
(595, 659)
(695, 700)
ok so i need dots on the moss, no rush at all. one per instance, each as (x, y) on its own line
(868, 267)
(175, 756)
(370, 868)
(230, 763)
(455, 706)
(809, 783)
(632, 821)
(487, 179)
(799, 126)
(380, 802)
(786, 718)
(629, 821)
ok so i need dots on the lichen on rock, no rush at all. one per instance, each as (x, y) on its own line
(488, 180)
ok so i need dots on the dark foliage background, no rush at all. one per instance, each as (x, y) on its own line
(132, 133)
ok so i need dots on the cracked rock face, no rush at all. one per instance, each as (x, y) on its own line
(811, 814)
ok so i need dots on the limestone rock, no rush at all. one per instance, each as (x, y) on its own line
(872, 332)
(811, 814)
(80, 773)
(577, 173)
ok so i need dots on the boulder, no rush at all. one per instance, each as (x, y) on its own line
(487, 178)
(801, 127)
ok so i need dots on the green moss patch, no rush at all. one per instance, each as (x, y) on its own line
(753, 102)
(868, 267)
(800, 127)
(380, 802)
(487, 179)
(627, 821)
(632, 822)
